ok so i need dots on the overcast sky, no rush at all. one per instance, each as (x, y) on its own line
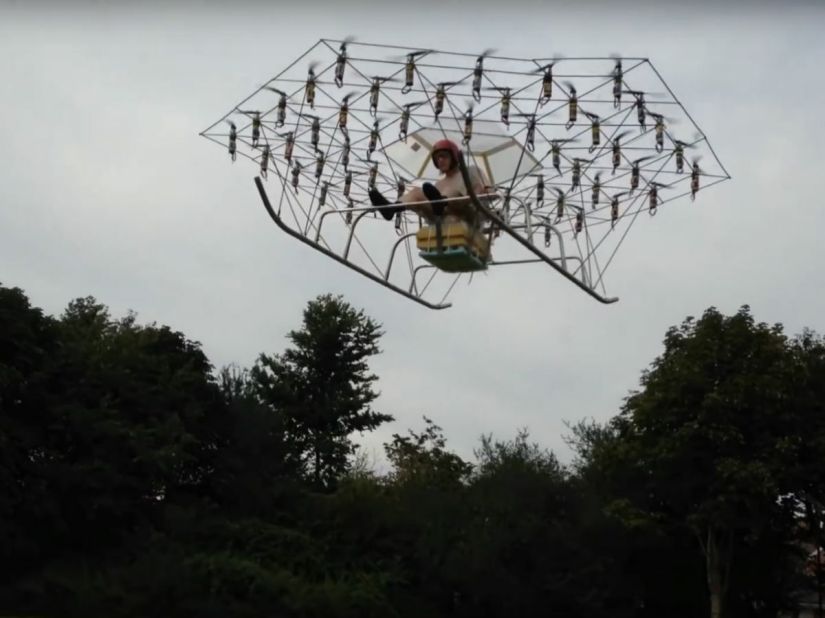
(106, 189)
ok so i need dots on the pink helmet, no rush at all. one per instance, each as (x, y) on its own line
(448, 145)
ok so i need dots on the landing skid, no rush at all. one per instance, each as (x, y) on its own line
(341, 260)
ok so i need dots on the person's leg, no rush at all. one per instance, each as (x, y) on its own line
(415, 194)
(435, 197)
(385, 207)
(458, 208)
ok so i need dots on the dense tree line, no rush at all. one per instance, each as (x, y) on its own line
(136, 479)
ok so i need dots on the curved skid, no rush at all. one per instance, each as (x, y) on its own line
(334, 256)
(397, 244)
(523, 242)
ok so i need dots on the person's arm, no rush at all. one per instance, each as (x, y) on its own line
(482, 186)
(478, 182)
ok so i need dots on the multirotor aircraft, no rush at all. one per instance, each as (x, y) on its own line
(562, 188)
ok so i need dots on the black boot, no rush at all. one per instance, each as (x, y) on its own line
(434, 195)
(386, 208)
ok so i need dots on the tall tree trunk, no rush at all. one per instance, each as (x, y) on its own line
(818, 580)
(814, 516)
(317, 465)
(715, 573)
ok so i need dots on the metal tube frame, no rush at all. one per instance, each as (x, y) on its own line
(279, 222)
(494, 217)
(412, 292)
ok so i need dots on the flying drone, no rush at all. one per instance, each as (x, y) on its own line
(572, 151)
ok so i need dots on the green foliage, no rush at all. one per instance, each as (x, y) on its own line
(253, 467)
(714, 405)
(321, 386)
(422, 458)
(27, 339)
(134, 479)
(700, 448)
(108, 420)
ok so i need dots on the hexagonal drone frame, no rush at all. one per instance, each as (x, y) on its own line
(573, 150)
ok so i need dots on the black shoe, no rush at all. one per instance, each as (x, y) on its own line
(431, 192)
(385, 207)
(434, 195)
(377, 199)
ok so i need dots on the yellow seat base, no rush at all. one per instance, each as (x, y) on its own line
(462, 249)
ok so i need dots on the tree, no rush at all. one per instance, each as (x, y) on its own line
(650, 569)
(254, 471)
(322, 386)
(525, 556)
(103, 423)
(27, 340)
(804, 453)
(700, 447)
(427, 496)
(423, 458)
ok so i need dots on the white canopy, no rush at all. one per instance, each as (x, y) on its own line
(497, 154)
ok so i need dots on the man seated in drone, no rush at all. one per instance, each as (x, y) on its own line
(433, 200)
